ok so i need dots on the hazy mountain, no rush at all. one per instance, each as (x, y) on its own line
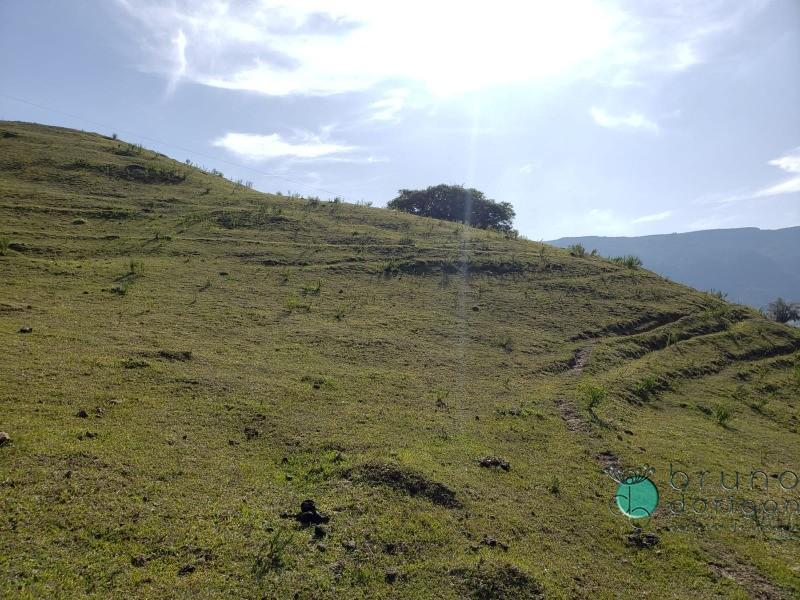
(753, 266)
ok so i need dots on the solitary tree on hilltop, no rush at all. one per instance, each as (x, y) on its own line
(456, 203)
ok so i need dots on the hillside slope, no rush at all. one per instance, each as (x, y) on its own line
(751, 265)
(204, 357)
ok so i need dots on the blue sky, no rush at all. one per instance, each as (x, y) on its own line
(591, 117)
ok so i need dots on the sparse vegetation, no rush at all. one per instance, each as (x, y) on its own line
(577, 250)
(272, 553)
(630, 261)
(781, 311)
(722, 415)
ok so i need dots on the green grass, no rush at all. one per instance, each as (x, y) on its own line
(264, 349)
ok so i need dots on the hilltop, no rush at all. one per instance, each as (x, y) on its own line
(750, 265)
(202, 358)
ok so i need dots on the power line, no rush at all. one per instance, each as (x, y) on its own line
(175, 146)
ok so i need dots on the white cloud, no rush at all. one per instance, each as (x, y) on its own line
(789, 162)
(631, 121)
(330, 46)
(254, 147)
(388, 108)
(529, 168)
(653, 218)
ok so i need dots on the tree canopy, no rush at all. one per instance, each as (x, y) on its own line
(456, 203)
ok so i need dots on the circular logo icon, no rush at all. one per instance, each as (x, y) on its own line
(637, 497)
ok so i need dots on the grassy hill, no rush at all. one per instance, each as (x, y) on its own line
(204, 357)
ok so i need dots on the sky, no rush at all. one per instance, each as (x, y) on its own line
(591, 117)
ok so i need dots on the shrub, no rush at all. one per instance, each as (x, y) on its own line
(577, 250)
(781, 311)
(646, 386)
(312, 289)
(4, 246)
(136, 267)
(292, 304)
(592, 395)
(506, 343)
(722, 415)
(629, 261)
(272, 553)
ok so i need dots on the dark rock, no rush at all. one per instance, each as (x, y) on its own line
(321, 547)
(311, 518)
(186, 570)
(26, 329)
(640, 539)
(250, 433)
(494, 461)
(349, 545)
(391, 575)
(82, 414)
(308, 506)
(320, 531)
(138, 561)
(4, 438)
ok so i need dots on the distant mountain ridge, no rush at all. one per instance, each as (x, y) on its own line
(753, 266)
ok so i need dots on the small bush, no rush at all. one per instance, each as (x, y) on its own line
(4, 246)
(630, 261)
(577, 250)
(722, 415)
(312, 289)
(506, 343)
(120, 290)
(295, 304)
(272, 553)
(592, 395)
(646, 386)
(555, 486)
(136, 267)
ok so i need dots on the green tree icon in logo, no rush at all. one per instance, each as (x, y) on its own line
(637, 497)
